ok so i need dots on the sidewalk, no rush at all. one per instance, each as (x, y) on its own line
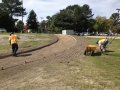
(118, 37)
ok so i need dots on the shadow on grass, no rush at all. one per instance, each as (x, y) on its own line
(100, 53)
(97, 54)
(109, 51)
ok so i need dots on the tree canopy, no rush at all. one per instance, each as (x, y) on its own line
(11, 8)
(73, 17)
(32, 22)
(115, 17)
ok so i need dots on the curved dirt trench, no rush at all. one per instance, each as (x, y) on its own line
(64, 43)
(35, 70)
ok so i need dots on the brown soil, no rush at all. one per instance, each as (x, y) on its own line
(27, 69)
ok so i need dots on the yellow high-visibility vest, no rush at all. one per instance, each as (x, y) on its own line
(102, 41)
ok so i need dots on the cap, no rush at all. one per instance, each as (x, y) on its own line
(96, 42)
(11, 32)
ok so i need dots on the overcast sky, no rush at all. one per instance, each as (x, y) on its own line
(45, 8)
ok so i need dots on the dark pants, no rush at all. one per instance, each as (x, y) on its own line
(104, 44)
(14, 48)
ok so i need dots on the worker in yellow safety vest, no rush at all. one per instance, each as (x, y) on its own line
(102, 44)
(13, 42)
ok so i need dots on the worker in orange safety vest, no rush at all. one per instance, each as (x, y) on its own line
(13, 42)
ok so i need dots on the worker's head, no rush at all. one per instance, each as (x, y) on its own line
(11, 33)
(96, 42)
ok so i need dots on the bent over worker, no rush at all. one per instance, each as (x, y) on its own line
(13, 42)
(102, 44)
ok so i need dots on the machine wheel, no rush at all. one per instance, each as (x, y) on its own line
(92, 53)
(85, 52)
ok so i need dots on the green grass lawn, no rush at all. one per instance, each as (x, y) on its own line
(34, 39)
(104, 69)
(99, 72)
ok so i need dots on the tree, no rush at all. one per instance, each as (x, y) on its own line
(73, 17)
(100, 20)
(48, 22)
(19, 26)
(115, 17)
(12, 8)
(76, 18)
(5, 21)
(43, 25)
(32, 22)
(63, 19)
(87, 11)
(96, 27)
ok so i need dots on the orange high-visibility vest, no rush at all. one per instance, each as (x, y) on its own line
(13, 38)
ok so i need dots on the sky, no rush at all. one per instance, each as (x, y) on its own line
(44, 8)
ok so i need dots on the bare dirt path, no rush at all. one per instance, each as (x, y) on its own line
(30, 68)
(65, 42)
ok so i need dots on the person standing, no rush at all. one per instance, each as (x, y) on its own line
(13, 42)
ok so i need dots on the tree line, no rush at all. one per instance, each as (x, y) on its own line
(73, 17)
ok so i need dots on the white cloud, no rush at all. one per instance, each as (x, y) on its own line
(45, 8)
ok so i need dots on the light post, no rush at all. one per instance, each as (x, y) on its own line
(22, 18)
(118, 19)
(22, 10)
(45, 26)
(118, 10)
(41, 27)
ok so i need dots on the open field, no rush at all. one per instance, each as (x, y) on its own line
(26, 41)
(106, 66)
(63, 66)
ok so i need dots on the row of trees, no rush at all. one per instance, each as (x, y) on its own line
(75, 17)
(79, 19)
(72, 17)
(103, 24)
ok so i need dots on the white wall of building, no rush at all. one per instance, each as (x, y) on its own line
(69, 32)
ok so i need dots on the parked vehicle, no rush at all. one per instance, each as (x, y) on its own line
(3, 30)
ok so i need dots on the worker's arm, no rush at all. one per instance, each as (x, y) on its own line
(99, 45)
(18, 37)
(10, 42)
(100, 48)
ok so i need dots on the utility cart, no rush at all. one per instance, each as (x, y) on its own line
(90, 50)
